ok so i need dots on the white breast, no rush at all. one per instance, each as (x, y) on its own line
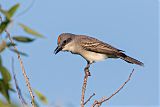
(69, 47)
(88, 55)
(93, 57)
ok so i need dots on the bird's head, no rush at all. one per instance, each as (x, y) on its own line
(62, 41)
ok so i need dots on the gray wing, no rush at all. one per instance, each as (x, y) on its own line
(95, 45)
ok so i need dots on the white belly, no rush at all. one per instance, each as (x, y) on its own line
(88, 55)
(94, 57)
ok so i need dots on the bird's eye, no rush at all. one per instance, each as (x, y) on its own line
(65, 41)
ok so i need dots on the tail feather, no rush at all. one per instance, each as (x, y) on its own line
(130, 59)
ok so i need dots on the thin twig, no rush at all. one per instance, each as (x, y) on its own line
(23, 71)
(87, 74)
(89, 98)
(84, 89)
(22, 67)
(17, 87)
(98, 103)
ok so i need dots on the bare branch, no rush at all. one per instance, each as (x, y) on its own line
(99, 103)
(89, 98)
(87, 74)
(22, 67)
(17, 87)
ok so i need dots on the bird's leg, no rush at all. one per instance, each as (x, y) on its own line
(86, 69)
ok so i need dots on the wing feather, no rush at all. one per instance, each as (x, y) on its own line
(95, 45)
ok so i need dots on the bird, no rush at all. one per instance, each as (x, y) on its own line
(91, 49)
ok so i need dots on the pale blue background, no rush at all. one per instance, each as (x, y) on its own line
(130, 25)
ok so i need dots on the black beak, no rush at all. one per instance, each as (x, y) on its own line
(59, 48)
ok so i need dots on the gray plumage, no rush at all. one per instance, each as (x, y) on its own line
(91, 49)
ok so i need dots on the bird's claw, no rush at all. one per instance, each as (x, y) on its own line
(87, 71)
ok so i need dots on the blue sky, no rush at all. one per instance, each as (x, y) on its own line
(130, 25)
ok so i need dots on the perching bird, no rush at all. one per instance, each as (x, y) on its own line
(91, 49)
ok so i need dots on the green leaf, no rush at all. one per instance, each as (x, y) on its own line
(9, 44)
(4, 89)
(8, 14)
(4, 25)
(11, 88)
(5, 74)
(0, 61)
(31, 31)
(12, 10)
(41, 97)
(3, 46)
(4, 12)
(4, 104)
(23, 39)
(21, 53)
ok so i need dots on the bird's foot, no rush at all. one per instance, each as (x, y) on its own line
(86, 70)
(88, 73)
